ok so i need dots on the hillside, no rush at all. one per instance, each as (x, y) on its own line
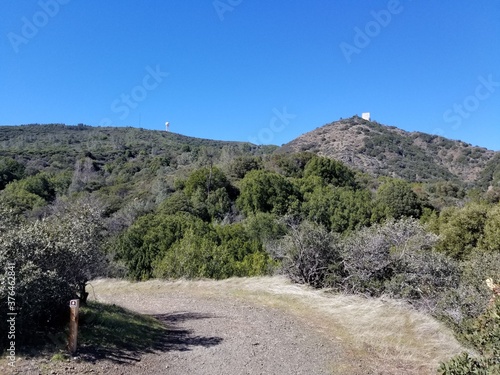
(367, 146)
(120, 164)
(388, 151)
(58, 146)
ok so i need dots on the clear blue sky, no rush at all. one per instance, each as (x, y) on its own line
(253, 69)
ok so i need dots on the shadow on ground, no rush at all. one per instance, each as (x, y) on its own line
(114, 333)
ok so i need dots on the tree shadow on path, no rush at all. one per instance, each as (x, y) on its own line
(123, 336)
(182, 339)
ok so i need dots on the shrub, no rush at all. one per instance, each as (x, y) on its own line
(470, 298)
(460, 230)
(205, 179)
(484, 335)
(491, 236)
(241, 165)
(10, 170)
(396, 258)
(29, 193)
(193, 256)
(220, 253)
(209, 193)
(309, 255)
(338, 208)
(291, 165)
(264, 191)
(396, 199)
(265, 227)
(52, 258)
(330, 171)
(149, 239)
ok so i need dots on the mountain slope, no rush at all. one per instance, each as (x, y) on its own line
(58, 147)
(120, 164)
(388, 151)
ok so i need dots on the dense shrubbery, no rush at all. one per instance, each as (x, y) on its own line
(32, 192)
(338, 208)
(53, 258)
(222, 253)
(264, 191)
(395, 258)
(396, 199)
(182, 245)
(483, 334)
(10, 170)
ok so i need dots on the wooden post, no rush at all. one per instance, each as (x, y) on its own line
(74, 305)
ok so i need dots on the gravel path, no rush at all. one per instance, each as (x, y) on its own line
(208, 336)
(232, 338)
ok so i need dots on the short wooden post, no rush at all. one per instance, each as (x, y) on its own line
(74, 305)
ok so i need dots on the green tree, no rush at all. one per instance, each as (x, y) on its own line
(193, 256)
(330, 171)
(291, 165)
(224, 251)
(245, 251)
(41, 185)
(241, 165)
(207, 180)
(264, 226)
(175, 203)
(29, 193)
(10, 170)
(218, 204)
(460, 229)
(21, 200)
(491, 234)
(210, 193)
(264, 191)
(396, 199)
(150, 238)
(338, 208)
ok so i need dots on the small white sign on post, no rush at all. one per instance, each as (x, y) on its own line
(74, 305)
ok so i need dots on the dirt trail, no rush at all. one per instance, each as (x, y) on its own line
(264, 326)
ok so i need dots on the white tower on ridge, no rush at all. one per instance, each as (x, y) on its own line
(167, 126)
(365, 116)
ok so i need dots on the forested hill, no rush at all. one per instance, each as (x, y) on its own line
(59, 145)
(120, 164)
(388, 151)
(364, 145)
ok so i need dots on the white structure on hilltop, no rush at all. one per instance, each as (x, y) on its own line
(167, 126)
(365, 116)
